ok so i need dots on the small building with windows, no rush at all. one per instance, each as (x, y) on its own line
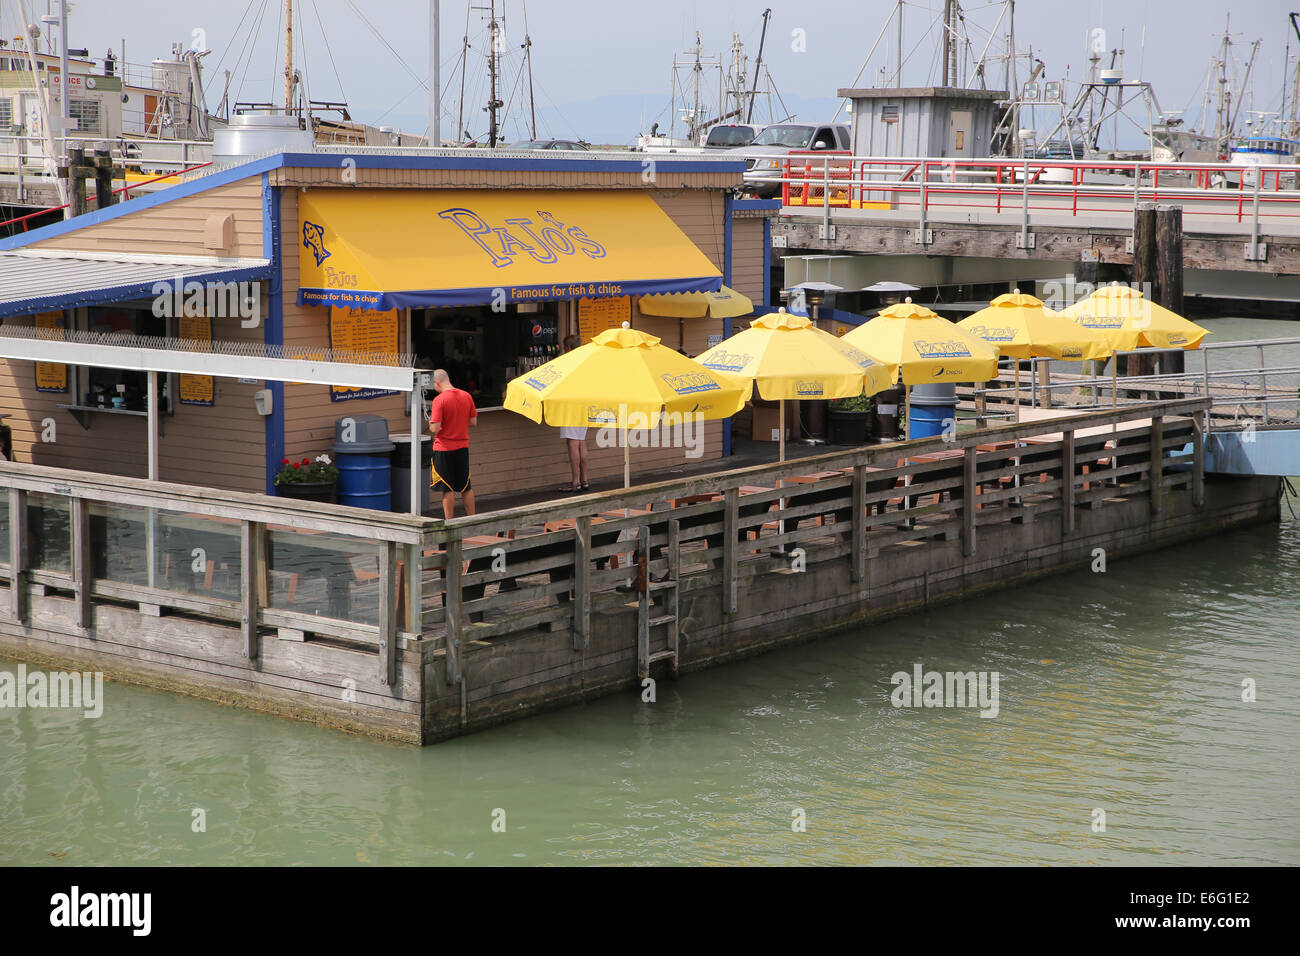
(938, 122)
(483, 264)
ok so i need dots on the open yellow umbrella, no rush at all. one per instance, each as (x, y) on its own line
(724, 304)
(1128, 320)
(787, 357)
(623, 379)
(1020, 326)
(926, 348)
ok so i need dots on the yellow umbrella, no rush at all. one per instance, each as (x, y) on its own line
(1020, 327)
(926, 348)
(787, 356)
(1128, 320)
(623, 379)
(724, 304)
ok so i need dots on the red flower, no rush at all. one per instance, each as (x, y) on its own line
(296, 465)
(284, 461)
(306, 461)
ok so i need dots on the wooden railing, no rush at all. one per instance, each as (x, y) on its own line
(365, 578)
(345, 573)
(555, 564)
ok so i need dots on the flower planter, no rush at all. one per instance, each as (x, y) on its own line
(326, 491)
(851, 428)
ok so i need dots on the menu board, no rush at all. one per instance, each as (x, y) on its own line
(196, 389)
(362, 330)
(597, 315)
(50, 377)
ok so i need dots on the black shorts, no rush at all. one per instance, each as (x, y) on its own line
(451, 470)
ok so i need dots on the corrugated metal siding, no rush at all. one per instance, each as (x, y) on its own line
(176, 227)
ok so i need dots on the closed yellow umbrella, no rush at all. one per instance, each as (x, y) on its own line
(787, 357)
(1020, 326)
(623, 379)
(926, 348)
(726, 303)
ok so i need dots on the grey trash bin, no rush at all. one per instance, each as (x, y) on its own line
(402, 472)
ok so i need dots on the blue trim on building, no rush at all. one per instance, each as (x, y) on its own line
(120, 293)
(751, 205)
(487, 295)
(268, 234)
(151, 201)
(364, 161)
(274, 422)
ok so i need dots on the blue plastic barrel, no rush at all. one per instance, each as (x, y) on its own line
(363, 455)
(365, 481)
(930, 410)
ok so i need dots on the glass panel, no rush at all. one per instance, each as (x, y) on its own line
(49, 541)
(4, 525)
(197, 554)
(117, 543)
(324, 574)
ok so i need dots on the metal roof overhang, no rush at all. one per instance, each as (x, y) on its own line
(43, 280)
(38, 345)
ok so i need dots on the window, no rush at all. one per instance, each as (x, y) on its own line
(889, 114)
(86, 113)
(100, 386)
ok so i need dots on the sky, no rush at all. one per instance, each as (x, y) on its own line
(601, 69)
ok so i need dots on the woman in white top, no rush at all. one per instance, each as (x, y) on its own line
(575, 438)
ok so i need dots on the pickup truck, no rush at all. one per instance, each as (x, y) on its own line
(764, 155)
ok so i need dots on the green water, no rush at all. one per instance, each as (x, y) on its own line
(1119, 691)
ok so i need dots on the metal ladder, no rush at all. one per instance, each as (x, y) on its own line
(663, 613)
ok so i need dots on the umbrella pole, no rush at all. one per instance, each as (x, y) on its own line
(1017, 364)
(780, 525)
(781, 405)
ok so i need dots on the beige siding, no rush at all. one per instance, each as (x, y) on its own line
(747, 258)
(701, 215)
(220, 447)
(176, 227)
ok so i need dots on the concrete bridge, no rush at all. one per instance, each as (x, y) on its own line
(1240, 226)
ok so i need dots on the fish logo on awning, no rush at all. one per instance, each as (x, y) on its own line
(728, 361)
(995, 334)
(690, 382)
(601, 416)
(313, 238)
(950, 348)
(808, 389)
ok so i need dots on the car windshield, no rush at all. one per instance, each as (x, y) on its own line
(730, 136)
(530, 144)
(791, 137)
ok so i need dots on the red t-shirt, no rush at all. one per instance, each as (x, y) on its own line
(453, 408)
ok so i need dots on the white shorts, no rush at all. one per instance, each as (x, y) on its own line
(574, 433)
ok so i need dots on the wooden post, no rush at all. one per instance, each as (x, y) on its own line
(76, 172)
(452, 597)
(858, 539)
(1155, 472)
(414, 585)
(18, 554)
(81, 568)
(103, 178)
(730, 578)
(1169, 266)
(581, 583)
(388, 612)
(969, 454)
(1144, 271)
(252, 572)
(1067, 482)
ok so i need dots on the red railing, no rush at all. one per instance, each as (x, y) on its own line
(126, 190)
(838, 180)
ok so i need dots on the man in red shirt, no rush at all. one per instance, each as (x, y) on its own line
(453, 412)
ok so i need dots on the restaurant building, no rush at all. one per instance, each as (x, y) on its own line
(478, 263)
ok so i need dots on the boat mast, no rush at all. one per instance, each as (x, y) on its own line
(1295, 89)
(758, 65)
(494, 38)
(528, 59)
(288, 57)
(695, 111)
(435, 76)
(947, 42)
(462, 134)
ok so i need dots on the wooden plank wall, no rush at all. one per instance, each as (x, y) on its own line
(222, 446)
(747, 258)
(176, 227)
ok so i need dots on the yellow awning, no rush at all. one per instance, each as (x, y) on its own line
(385, 249)
(726, 303)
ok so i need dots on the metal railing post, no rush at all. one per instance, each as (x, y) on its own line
(924, 198)
(826, 197)
(1024, 208)
(1263, 383)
